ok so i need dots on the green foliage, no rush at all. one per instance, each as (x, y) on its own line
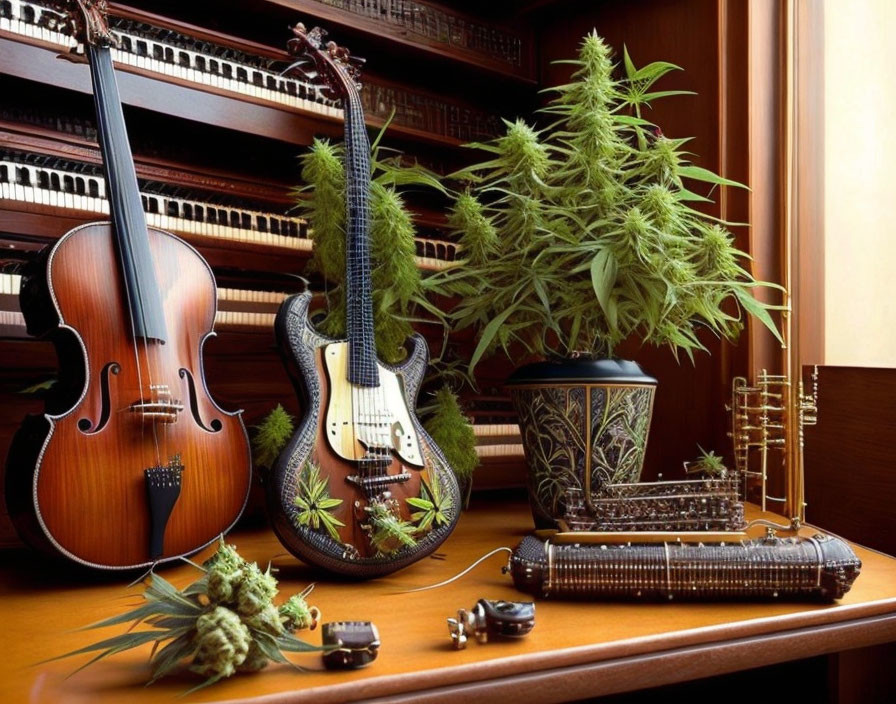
(434, 507)
(39, 386)
(388, 532)
(296, 614)
(325, 207)
(271, 435)
(710, 463)
(398, 289)
(583, 234)
(452, 432)
(224, 622)
(314, 503)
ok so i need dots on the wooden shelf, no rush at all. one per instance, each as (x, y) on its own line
(385, 32)
(576, 651)
(39, 61)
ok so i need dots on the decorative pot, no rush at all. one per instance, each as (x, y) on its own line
(584, 424)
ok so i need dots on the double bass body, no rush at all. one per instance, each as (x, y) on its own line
(82, 490)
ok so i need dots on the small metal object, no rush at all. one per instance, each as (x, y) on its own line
(488, 618)
(356, 644)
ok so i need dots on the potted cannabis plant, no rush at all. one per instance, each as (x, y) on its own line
(577, 237)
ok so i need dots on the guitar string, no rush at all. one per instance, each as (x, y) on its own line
(360, 269)
(377, 395)
(350, 275)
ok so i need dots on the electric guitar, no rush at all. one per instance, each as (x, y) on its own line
(133, 463)
(360, 489)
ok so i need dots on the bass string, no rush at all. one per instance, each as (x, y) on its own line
(103, 76)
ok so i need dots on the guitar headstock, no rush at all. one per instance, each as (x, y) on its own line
(89, 22)
(327, 61)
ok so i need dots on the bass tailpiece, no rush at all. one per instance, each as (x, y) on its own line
(820, 568)
(163, 491)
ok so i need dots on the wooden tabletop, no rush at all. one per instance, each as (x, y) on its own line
(576, 649)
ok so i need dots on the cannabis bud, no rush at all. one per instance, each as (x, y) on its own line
(295, 614)
(223, 643)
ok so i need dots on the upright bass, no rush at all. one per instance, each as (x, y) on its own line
(360, 489)
(133, 463)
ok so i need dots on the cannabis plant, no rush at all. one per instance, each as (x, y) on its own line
(708, 463)
(271, 436)
(582, 234)
(398, 291)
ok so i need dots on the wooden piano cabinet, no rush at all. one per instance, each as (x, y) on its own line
(849, 456)
(576, 651)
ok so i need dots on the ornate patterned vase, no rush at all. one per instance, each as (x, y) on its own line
(584, 424)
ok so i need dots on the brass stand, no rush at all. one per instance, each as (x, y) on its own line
(765, 421)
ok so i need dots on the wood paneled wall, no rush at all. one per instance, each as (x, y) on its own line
(850, 465)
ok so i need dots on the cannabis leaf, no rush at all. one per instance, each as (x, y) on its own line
(314, 502)
(271, 436)
(388, 532)
(434, 505)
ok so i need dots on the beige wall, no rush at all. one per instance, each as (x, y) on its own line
(860, 182)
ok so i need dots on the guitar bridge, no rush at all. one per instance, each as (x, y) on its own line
(163, 490)
(375, 484)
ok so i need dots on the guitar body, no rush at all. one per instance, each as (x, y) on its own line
(320, 391)
(76, 479)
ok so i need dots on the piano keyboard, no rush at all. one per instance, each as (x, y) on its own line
(498, 440)
(10, 284)
(169, 54)
(76, 186)
(237, 308)
(172, 54)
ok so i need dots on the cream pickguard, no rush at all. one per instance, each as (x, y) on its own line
(360, 417)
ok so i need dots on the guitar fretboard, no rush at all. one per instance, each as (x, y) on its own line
(362, 367)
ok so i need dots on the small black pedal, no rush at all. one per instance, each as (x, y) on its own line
(355, 644)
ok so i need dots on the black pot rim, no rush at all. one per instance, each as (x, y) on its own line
(581, 370)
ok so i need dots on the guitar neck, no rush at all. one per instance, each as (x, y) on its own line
(362, 368)
(125, 206)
